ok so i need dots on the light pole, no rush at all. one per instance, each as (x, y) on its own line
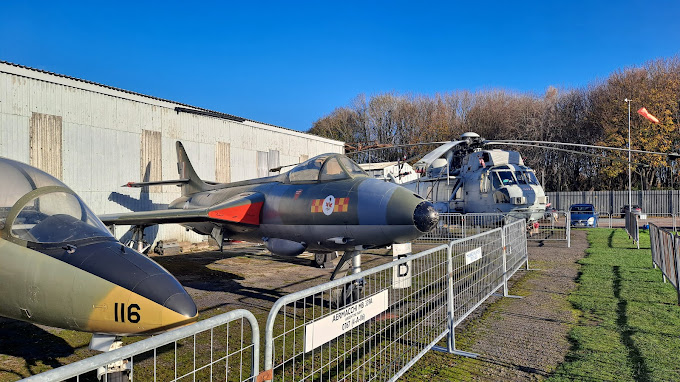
(630, 192)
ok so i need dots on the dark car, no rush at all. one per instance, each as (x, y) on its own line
(583, 215)
(636, 210)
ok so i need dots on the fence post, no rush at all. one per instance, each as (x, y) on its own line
(505, 261)
(676, 263)
(451, 338)
(568, 222)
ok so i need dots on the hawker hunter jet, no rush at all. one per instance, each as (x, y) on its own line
(322, 205)
(60, 266)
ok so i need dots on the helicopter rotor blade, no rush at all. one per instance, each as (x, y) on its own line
(567, 151)
(516, 141)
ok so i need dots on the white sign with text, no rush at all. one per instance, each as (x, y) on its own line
(472, 256)
(319, 332)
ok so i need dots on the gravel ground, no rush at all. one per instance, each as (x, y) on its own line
(520, 339)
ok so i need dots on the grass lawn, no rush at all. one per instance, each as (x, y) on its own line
(629, 325)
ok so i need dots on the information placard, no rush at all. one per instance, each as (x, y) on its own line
(321, 331)
(472, 256)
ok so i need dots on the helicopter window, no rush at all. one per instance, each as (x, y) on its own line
(506, 178)
(351, 167)
(57, 217)
(332, 171)
(531, 177)
(495, 181)
(307, 171)
(484, 182)
(520, 177)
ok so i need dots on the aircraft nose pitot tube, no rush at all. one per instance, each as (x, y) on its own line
(425, 217)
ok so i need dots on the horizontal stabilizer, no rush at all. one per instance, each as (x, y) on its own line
(242, 209)
(158, 183)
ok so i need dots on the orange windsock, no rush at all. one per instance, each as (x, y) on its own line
(643, 112)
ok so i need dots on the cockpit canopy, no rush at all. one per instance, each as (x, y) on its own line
(37, 207)
(325, 167)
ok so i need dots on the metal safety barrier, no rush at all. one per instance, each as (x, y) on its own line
(554, 226)
(224, 347)
(373, 325)
(394, 317)
(454, 226)
(666, 255)
(633, 228)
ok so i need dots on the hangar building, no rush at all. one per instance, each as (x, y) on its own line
(96, 138)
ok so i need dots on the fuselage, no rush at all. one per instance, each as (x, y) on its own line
(488, 181)
(60, 266)
(325, 216)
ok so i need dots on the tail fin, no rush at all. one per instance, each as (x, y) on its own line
(186, 171)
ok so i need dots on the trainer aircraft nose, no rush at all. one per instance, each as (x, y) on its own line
(60, 266)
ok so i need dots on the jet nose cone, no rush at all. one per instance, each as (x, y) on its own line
(182, 304)
(425, 217)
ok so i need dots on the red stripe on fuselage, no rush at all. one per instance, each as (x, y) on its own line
(246, 213)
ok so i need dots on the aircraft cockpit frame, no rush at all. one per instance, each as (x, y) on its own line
(39, 209)
(324, 168)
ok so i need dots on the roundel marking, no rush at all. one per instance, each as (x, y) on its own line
(328, 205)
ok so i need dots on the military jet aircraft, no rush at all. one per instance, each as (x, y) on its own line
(60, 266)
(322, 205)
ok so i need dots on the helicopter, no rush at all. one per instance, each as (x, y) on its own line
(464, 177)
(60, 266)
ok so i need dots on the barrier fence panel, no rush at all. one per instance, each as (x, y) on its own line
(633, 228)
(666, 255)
(515, 248)
(395, 318)
(554, 226)
(454, 226)
(224, 347)
(310, 336)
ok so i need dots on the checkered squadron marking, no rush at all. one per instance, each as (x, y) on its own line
(341, 205)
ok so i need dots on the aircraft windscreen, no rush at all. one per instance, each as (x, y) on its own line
(57, 217)
(532, 178)
(17, 180)
(520, 177)
(506, 178)
(307, 171)
(332, 171)
(351, 166)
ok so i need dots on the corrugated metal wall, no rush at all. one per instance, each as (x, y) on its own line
(222, 167)
(45, 142)
(108, 137)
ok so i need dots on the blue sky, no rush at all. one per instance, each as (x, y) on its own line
(289, 63)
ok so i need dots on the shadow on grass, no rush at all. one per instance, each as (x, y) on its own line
(33, 344)
(640, 369)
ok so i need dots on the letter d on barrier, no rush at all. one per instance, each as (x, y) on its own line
(401, 274)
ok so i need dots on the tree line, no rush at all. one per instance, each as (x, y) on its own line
(595, 114)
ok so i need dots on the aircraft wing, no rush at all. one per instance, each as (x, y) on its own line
(243, 209)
